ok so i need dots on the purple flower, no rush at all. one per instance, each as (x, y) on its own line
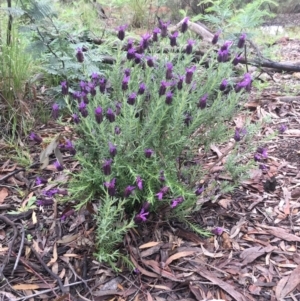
(148, 152)
(239, 134)
(98, 115)
(199, 191)
(107, 167)
(131, 53)
(164, 28)
(177, 201)
(131, 98)
(257, 157)
(142, 89)
(50, 193)
(67, 214)
(169, 74)
(139, 182)
(55, 111)
(162, 192)
(128, 191)
(246, 83)
(145, 40)
(127, 72)
(84, 97)
(223, 56)
(95, 77)
(58, 166)
(102, 85)
(189, 74)
(111, 187)
(216, 37)
(155, 33)
(150, 61)
(76, 118)
(202, 102)
(189, 46)
(79, 55)
(129, 44)
(70, 147)
(263, 166)
(43, 203)
(36, 138)
(226, 45)
(263, 152)
(110, 115)
(223, 85)
(117, 130)
(180, 82)
(241, 41)
(118, 108)
(137, 58)
(161, 177)
(163, 88)
(64, 88)
(184, 25)
(77, 95)
(82, 85)
(282, 128)
(187, 118)
(173, 38)
(141, 217)
(217, 231)
(125, 82)
(40, 180)
(112, 149)
(83, 110)
(169, 97)
(92, 88)
(236, 59)
(121, 32)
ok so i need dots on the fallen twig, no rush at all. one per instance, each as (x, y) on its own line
(20, 249)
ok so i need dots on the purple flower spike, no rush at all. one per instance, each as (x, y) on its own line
(95, 77)
(82, 109)
(84, 97)
(216, 37)
(139, 182)
(76, 118)
(112, 149)
(257, 157)
(44, 203)
(263, 152)
(184, 25)
(161, 176)
(36, 138)
(131, 53)
(189, 46)
(102, 85)
(129, 44)
(79, 55)
(189, 74)
(169, 97)
(118, 108)
(137, 58)
(55, 111)
(180, 82)
(263, 167)
(150, 61)
(239, 134)
(217, 231)
(246, 83)
(155, 33)
(127, 72)
(110, 115)
(69, 146)
(67, 214)
(223, 56)
(282, 128)
(117, 130)
(187, 119)
(92, 88)
(98, 115)
(64, 88)
(58, 166)
(142, 89)
(111, 187)
(131, 98)
(50, 193)
(223, 85)
(162, 193)
(77, 95)
(163, 88)
(241, 41)
(125, 82)
(128, 191)
(177, 201)
(236, 60)
(199, 191)
(141, 217)
(148, 152)
(145, 40)
(202, 102)
(173, 39)
(107, 167)
(164, 28)
(121, 32)
(169, 74)
(40, 180)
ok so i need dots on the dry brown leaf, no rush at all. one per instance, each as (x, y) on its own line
(26, 286)
(149, 297)
(287, 196)
(142, 270)
(178, 255)
(209, 254)
(250, 254)
(67, 239)
(163, 287)
(149, 244)
(9, 296)
(215, 149)
(295, 193)
(34, 218)
(281, 233)
(292, 282)
(54, 258)
(3, 194)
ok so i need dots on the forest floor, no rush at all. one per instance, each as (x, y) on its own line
(256, 255)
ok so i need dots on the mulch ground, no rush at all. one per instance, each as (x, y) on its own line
(255, 256)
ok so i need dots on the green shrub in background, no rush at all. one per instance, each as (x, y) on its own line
(140, 126)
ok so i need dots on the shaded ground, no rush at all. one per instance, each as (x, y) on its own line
(255, 257)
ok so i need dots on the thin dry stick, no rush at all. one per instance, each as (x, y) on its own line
(20, 249)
